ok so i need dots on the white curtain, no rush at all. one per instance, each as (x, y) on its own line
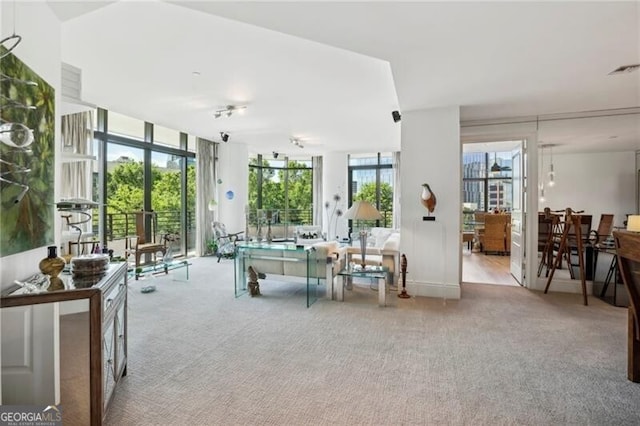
(396, 190)
(77, 139)
(75, 174)
(318, 207)
(206, 192)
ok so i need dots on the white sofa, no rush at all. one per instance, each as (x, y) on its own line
(383, 248)
(329, 257)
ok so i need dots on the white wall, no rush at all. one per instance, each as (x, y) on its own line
(431, 154)
(334, 181)
(40, 50)
(596, 183)
(234, 173)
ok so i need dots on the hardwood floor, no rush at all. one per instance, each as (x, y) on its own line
(480, 268)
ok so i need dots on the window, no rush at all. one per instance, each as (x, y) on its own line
(143, 176)
(125, 126)
(280, 195)
(166, 136)
(371, 179)
(191, 143)
(483, 189)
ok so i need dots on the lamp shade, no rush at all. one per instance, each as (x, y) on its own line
(633, 223)
(362, 210)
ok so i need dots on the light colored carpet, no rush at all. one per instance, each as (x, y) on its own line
(501, 355)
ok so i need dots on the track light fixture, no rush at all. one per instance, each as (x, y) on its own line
(296, 142)
(229, 110)
(275, 154)
(224, 136)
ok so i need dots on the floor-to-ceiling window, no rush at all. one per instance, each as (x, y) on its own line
(371, 179)
(145, 167)
(280, 195)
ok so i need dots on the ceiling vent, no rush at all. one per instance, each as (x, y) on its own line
(625, 69)
(71, 82)
(71, 91)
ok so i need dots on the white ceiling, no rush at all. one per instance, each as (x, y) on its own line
(330, 73)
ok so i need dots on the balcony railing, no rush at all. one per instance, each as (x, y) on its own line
(120, 225)
(283, 225)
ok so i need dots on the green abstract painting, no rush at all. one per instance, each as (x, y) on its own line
(27, 137)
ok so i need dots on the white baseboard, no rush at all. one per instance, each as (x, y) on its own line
(438, 290)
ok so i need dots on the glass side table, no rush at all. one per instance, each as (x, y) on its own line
(379, 273)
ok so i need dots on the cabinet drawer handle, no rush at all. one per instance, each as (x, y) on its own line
(110, 361)
(109, 302)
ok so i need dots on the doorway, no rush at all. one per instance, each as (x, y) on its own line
(492, 212)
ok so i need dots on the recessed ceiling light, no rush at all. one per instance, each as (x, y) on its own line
(625, 69)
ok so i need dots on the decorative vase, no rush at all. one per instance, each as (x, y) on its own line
(52, 265)
(55, 284)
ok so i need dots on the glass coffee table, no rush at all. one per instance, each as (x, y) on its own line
(372, 272)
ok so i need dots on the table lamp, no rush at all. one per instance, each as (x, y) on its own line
(633, 223)
(362, 210)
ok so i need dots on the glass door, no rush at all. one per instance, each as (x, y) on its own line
(167, 198)
(124, 193)
(280, 197)
(516, 262)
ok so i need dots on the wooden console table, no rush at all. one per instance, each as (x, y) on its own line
(106, 337)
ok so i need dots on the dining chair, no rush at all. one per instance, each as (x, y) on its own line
(628, 253)
(571, 238)
(605, 226)
(548, 228)
(577, 241)
(147, 240)
(494, 237)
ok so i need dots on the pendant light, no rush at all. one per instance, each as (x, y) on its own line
(552, 174)
(540, 176)
(495, 168)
